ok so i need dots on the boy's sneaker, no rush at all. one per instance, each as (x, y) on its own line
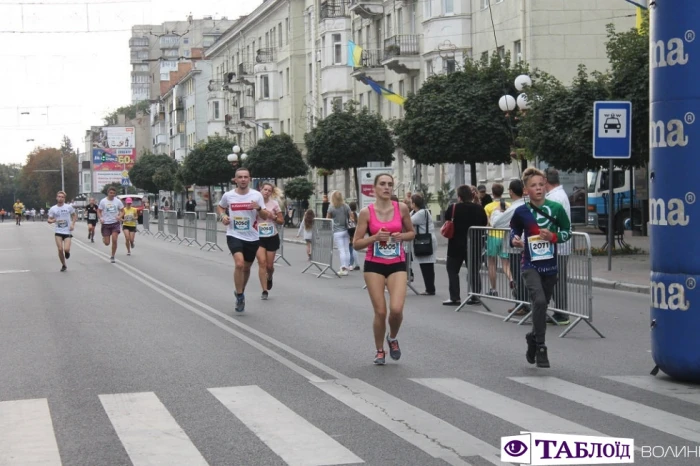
(269, 283)
(240, 302)
(111, 259)
(394, 350)
(64, 268)
(542, 358)
(380, 358)
(264, 296)
(67, 254)
(558, 319)
(531, 348)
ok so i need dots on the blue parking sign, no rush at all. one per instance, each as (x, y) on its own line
(612, 130)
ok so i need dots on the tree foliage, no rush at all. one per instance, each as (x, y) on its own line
(154, 172)
(207, 163)
(348, 138)
(300, 189)
(276, 157)
(9, 185)
(40, 186)
(455, 118)
(558, 128)
(129, 112)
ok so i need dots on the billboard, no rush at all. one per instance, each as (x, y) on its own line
(366, 176)
(113, 152)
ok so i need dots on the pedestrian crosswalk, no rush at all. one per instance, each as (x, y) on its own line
(150, 434)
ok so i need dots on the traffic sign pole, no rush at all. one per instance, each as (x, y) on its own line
(611, 206)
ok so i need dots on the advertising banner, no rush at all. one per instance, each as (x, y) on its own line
(113, 148)
(102, 178)
(366, 176)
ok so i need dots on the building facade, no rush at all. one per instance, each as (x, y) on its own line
(156, 50)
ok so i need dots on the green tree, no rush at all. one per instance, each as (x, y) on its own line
(349, 138)
(299, 189)
(276, 157)
(455, 118)
(142, 174)
(9, 185)
(129, 112)
(41, 175)
(558, 128)
(207, 164)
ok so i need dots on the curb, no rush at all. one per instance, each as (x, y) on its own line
(597, 282)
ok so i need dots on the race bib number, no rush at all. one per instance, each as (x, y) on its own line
(241, 224)
(111, 208)
(388, 250)
(540, 249)
(92, 216)
(128, 218)
(62, 223)
(266, 230)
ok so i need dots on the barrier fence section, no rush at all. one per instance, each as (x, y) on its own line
(161, 226)
(189, 234)
(494, 273)
(322, 247)
(280, 252)
(173, 226)
(146, 230)
(408, 249)
(210, 233)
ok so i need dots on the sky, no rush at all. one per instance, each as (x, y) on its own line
(60, 79)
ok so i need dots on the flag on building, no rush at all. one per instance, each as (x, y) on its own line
(268, 132)
(384, 92)
(354, 55)
(640, 19)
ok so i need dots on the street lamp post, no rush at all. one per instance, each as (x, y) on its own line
(234, 158)
(508, 104)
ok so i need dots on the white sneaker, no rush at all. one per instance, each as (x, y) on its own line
(343, 272)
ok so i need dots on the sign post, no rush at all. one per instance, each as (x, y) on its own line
(612, 140)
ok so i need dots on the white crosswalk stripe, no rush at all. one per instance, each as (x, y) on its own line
(148, 431)
(650, 417)
(665, 387)
(26, 434)
(289, 435)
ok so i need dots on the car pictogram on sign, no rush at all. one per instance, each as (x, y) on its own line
(612, 123)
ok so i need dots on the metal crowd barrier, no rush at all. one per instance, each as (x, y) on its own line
(408, 250)
(146, 230)
(280, 251)
(322, 247)
(210, 233)
(161, 226)
(190, 229)
(494, 273)
(173, 226)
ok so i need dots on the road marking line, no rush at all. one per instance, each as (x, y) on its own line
(26, 433)
(636, 412)
(506, 408)
(289, 435)
(14, 271)
(680, 391)
(434, 436)
(148, 431)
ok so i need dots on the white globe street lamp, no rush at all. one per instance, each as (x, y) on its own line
(508, 103)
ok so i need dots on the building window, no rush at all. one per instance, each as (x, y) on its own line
(279, 34)
(501, 52)
(429, 68)
(485, 57)
(323, 50)
(286, 27)
(186, 40)
(450, 65)
(288, 86)
(337, 50)
(281, 85)
(362, 100)
(337, 103)
(289, 125)
(389, 26)
(518, 51)
(428, 9)
(484, 4)
(311, 77)
(448, 7)
(265, 86)
(281, 126)
(217, 110)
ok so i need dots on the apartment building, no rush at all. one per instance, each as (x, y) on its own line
(156, 50)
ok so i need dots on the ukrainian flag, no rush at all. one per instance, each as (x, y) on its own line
(268, 132)
(354, 55)
(384, 92)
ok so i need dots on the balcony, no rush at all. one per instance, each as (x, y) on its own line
(138, 56)
(247, 113)
(138, 43)
(333, 9)
(367, 9)
(169, 42)
(265, 56)
(246, 73)
(216, 94)
(160, 140)
(402, 54)
(371, 66)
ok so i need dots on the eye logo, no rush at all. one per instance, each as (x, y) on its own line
(515, 448)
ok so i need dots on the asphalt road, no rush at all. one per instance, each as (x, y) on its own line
(146, 362)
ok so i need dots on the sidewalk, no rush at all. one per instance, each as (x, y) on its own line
(629, 272)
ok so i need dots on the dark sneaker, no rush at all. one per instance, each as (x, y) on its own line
(493, 293)
(240, 303)
(67, 254)
(111, 259)
(472, 301)
(380, 358)
(394, 350)
(531, 348)
(558, 319)
(64, 268)
(450, 302)
(542, 358)
(264, 296)
(92, 240)
(269, 283)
